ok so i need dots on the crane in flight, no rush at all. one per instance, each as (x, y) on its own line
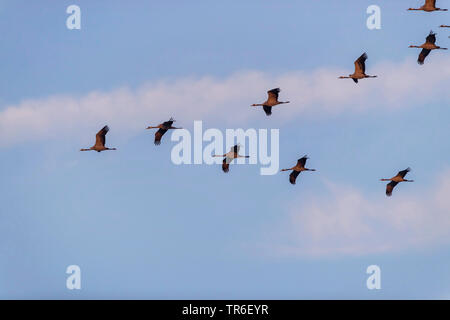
(427, 47)
(271, 101)
(400, 177)
(100, 139)
(297, 169)
(360, 69)
(429, 6)
(230, 156)
(163, 128)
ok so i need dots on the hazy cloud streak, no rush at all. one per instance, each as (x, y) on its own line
(346, 222)
(317, 93)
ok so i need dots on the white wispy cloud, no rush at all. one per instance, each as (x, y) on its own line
(347, 222)
(314, 93)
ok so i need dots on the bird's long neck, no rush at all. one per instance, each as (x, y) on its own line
(288, 169)
(404, 180)
(151, 127)
(257, 105)
(344, 77)
(415, 9)
(110, 149)
(385, 179)
(306, 169)
(414, 46)
(85, 149)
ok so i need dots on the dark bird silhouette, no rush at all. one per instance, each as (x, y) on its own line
(429, 6)
(299, 167)
(230, 156)
(360, 70)
(271, 101)
(427, 47)
(163, 127)
(100, 139)
(400, 177)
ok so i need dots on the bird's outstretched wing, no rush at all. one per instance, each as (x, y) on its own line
(273, 94)
(430, 3)
(169, 123)
(293, 176)
(302, 161)
(226, 165)
(390, 187)
(267, 110)
(360, 64)
(431, 38)
(403, 172)
(423, 54)
(100, 137)
(235, 148)
(158, 135)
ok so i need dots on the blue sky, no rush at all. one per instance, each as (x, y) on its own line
(141, 227)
